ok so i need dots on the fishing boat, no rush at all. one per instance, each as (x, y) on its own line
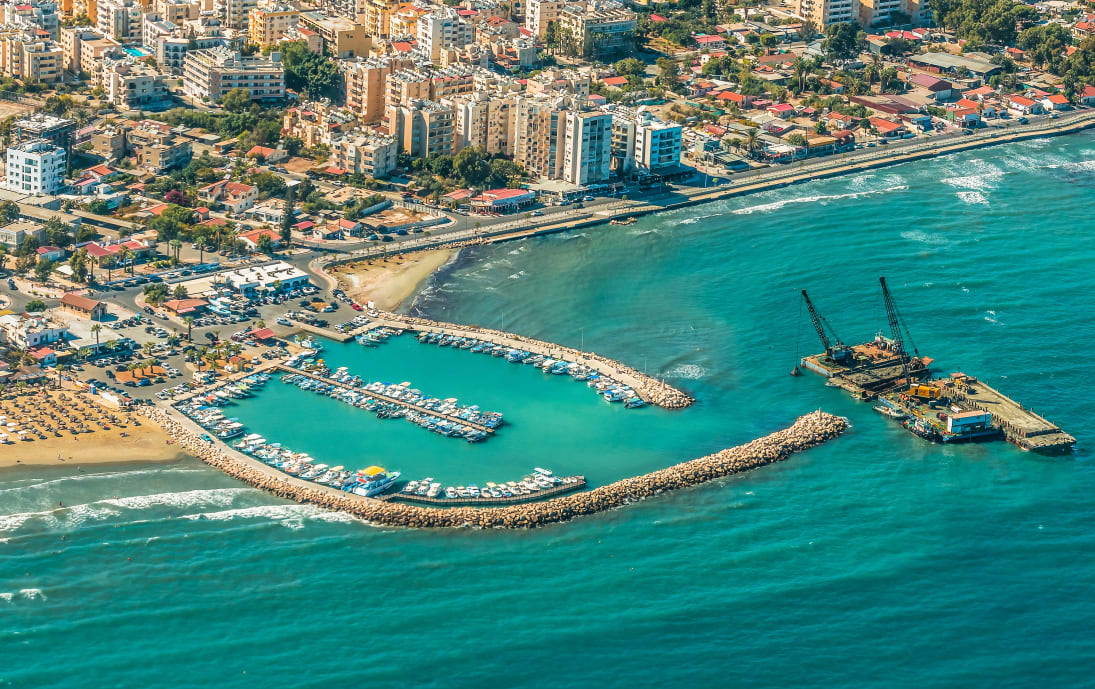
(891, 412)
(635, 403)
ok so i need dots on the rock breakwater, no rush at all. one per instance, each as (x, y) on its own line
(650, 389)
(808, 431)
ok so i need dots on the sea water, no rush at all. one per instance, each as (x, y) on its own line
(876, 560)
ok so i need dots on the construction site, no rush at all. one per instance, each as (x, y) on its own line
(952, 409)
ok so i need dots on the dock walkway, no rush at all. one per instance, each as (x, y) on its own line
(516, 499)
(385, 398)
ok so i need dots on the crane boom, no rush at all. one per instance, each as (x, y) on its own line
(836, 350)
(897, 324)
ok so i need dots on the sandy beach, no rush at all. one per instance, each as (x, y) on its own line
(388, 282)
(103, 443)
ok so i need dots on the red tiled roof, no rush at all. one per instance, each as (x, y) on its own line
(615, 81)
(79, 302)
(262, 334)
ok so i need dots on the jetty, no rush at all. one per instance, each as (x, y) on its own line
(1021, 426)
(651, 390)
(807, 432)
(380, 397)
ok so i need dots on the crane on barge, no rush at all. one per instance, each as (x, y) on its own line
(835, 349)
(897, 326)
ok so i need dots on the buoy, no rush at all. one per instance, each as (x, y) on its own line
(796, 372)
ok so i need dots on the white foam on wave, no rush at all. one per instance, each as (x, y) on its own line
(517, 276)
(103, 475)
(75, 515)
(289, 516)
(7, 595)
(978, 175)
(687, 372)
(820, 198)
(973, 198)
(924, 237)
(32, 594)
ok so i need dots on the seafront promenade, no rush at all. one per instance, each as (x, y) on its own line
(741, 184)
(808, 431)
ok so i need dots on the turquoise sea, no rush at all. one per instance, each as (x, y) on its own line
(874, 561)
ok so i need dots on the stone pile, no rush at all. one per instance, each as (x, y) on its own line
(808, 431)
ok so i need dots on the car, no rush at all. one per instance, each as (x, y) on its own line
(536, 214)
(1053, 116)
(130, 384)
(144, 382)
(11, 284)
(401, 232)
(355, 306)
(587, 198)
(1023, 120)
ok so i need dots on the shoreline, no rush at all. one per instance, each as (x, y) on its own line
(100, 443)
(389, 283)
(808, 431)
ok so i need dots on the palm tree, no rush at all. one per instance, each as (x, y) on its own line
(801, 70)
(127, 257)
(176, 247)
(3, 256)
(147, 348)
(60, 369)
(95, 331)
(83, 353)
(189, 320)
(752, 140)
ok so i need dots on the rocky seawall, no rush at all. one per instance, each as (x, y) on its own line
(650, 389)
(808, 431)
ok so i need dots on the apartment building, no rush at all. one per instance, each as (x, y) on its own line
(872, 12)
(16, 232)
(657, 145)
(602, 27)
(561, 82)
(541, 13)
(154, 29)
(421, 127)
(234, 13)
(825, 12)
(342, 38)
(120, 19)
(587, 147)
(83, 49)
(177, 11)
(407, 85)
(441, 30)
(404, 21)
(376, 16)
(27, 332)
(35, 167)
(372, 155)
(157, 147)
(133, 85)
(24, 57)
(56, 130)
(348, 9)
(267, 25)
(366, 84)
(538, 141)
(171, 51)
(210, 74)
(36, 13)
(485, 119)
(317, 123)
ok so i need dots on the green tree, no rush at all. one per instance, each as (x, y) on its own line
(79, 263)
(286, 232)
(9, 212)
(35, 306)
(668, 74)
(43, 268)
(58, 232)
(265, 244)
(236, 100)
(309, 72)
(629, 65)
(842, 42)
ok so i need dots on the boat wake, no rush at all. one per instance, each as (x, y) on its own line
(820, 198)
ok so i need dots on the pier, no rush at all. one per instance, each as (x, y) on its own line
(489, 502)
(384, 398)
(1021, 426)
(651, 390)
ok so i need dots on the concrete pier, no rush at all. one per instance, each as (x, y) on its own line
(1021, 426)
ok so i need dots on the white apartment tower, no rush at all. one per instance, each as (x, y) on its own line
(120, 19)
(441, 30)
(588, 147)
(35, 167)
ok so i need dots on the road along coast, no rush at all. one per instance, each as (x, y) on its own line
(808, 431)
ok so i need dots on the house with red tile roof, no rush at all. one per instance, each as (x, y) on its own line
(236, 196)
(251, 239)
(782, 110)
(1024, 105)
(615, 82)
(710, 42)
(738, 99)
(1055, 101)
(887, 129)
(1087, 95)
(980, 93)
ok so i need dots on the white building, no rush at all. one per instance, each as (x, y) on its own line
(588, 143)
(441, 30)
(657, 144)
(28, 332)
(35, 167)
(120, 19)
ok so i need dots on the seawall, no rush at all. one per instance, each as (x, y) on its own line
(808, 431)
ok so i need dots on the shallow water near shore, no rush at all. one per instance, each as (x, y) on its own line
(875, 560)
